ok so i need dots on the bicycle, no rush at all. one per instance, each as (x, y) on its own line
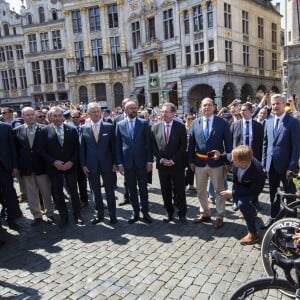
(262, 288)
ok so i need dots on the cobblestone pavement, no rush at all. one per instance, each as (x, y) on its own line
(129, 261)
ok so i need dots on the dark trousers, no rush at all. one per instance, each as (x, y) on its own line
(170, 178)
(248, 210)
(137, 177)
(8, 194)
(108, 182)
(274, 182)
(57, 188)
(82, 185)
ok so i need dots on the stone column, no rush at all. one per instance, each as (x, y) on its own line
(105, 44)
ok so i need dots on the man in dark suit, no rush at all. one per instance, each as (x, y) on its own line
(248, 182)
(209, 133)
(169, 147)
(134, 159)
(97, 159)
(281, 148)
(8, 170)
(32, 167)
(59, 148)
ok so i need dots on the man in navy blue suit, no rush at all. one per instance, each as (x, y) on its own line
(134, 159)
(248, 182)
(281, 148)
(97, 159)
(209, 133)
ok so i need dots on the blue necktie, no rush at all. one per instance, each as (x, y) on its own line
(276, 127)
(206, 133)
(131, 128)
(247, 134)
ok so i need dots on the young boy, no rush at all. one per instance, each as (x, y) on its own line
(248, 182)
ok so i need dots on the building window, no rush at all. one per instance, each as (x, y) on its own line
(115, 52)
(245, 55)
(32, 43)
(136, 34)
(60, 71)
(186, 22)
(42, 14)
(210, 18)
(188, 56)
(245, 22)
(14, 30)
(29, 19)
(2, 54)
(76, 21)
(228, 52)
(289, 36)
(36, 72)
(48, 71)
(12, 79)
(44, 41)
(6, 29)
(227, 16)
(94, 16)
(54, 14)
(261, 58)
(274, 33)
(211, 51)
(168, 23)
(171, 61)
(9, 53)
(5, 82)
(197, 18)
(260, 28)
(97, 53)
(153, 66)
(199, 53)
(56, 40)
(138, 68)
(79, 54)
(23, 80)
(113, 20)
(19, 50)
(151, 29)
(274, 61)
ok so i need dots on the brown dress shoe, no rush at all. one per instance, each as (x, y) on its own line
(250, 238)
(201, 219)
(218, 223)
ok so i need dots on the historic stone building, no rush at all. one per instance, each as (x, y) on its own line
(291, 49)
(152, 50)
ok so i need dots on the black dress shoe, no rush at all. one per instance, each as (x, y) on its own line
(50, 220)
(125, 202)
(36, 222)
(267, 224)
(79, 220)
(147, 218)
(133, 219)
(183, 220)
(113, 220)
(168, 219)
(13, 225)
(97, 220)
(62, 222)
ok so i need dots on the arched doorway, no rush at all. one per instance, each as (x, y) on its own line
(118, 93)
(275, 90)
(260, 92)
(228, 93)
(247, 92)
(197, 94)
(83, 95)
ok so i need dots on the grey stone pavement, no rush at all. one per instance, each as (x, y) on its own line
(129, 261)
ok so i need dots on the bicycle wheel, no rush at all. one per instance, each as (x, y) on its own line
(279, 237)
(263, 288)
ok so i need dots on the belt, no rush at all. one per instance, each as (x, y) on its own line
(202, 156)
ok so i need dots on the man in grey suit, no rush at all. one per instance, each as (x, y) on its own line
(134, 158)
(281, 148)
(97, 159)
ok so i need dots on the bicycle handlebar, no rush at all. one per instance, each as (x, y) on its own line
(282, 195)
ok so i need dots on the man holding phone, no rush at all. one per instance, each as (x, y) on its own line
(209, 133)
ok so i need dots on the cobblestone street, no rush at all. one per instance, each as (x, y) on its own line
(124, 261)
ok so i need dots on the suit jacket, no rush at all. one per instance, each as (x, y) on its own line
(8, 158)
(257, 136)
(50, 148)
(97, 156)
(175, 149)
(252, 181)
(282, 149)
(29, 161)
(136, 151)
(219, 139)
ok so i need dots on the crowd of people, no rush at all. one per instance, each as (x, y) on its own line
(54, 152)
